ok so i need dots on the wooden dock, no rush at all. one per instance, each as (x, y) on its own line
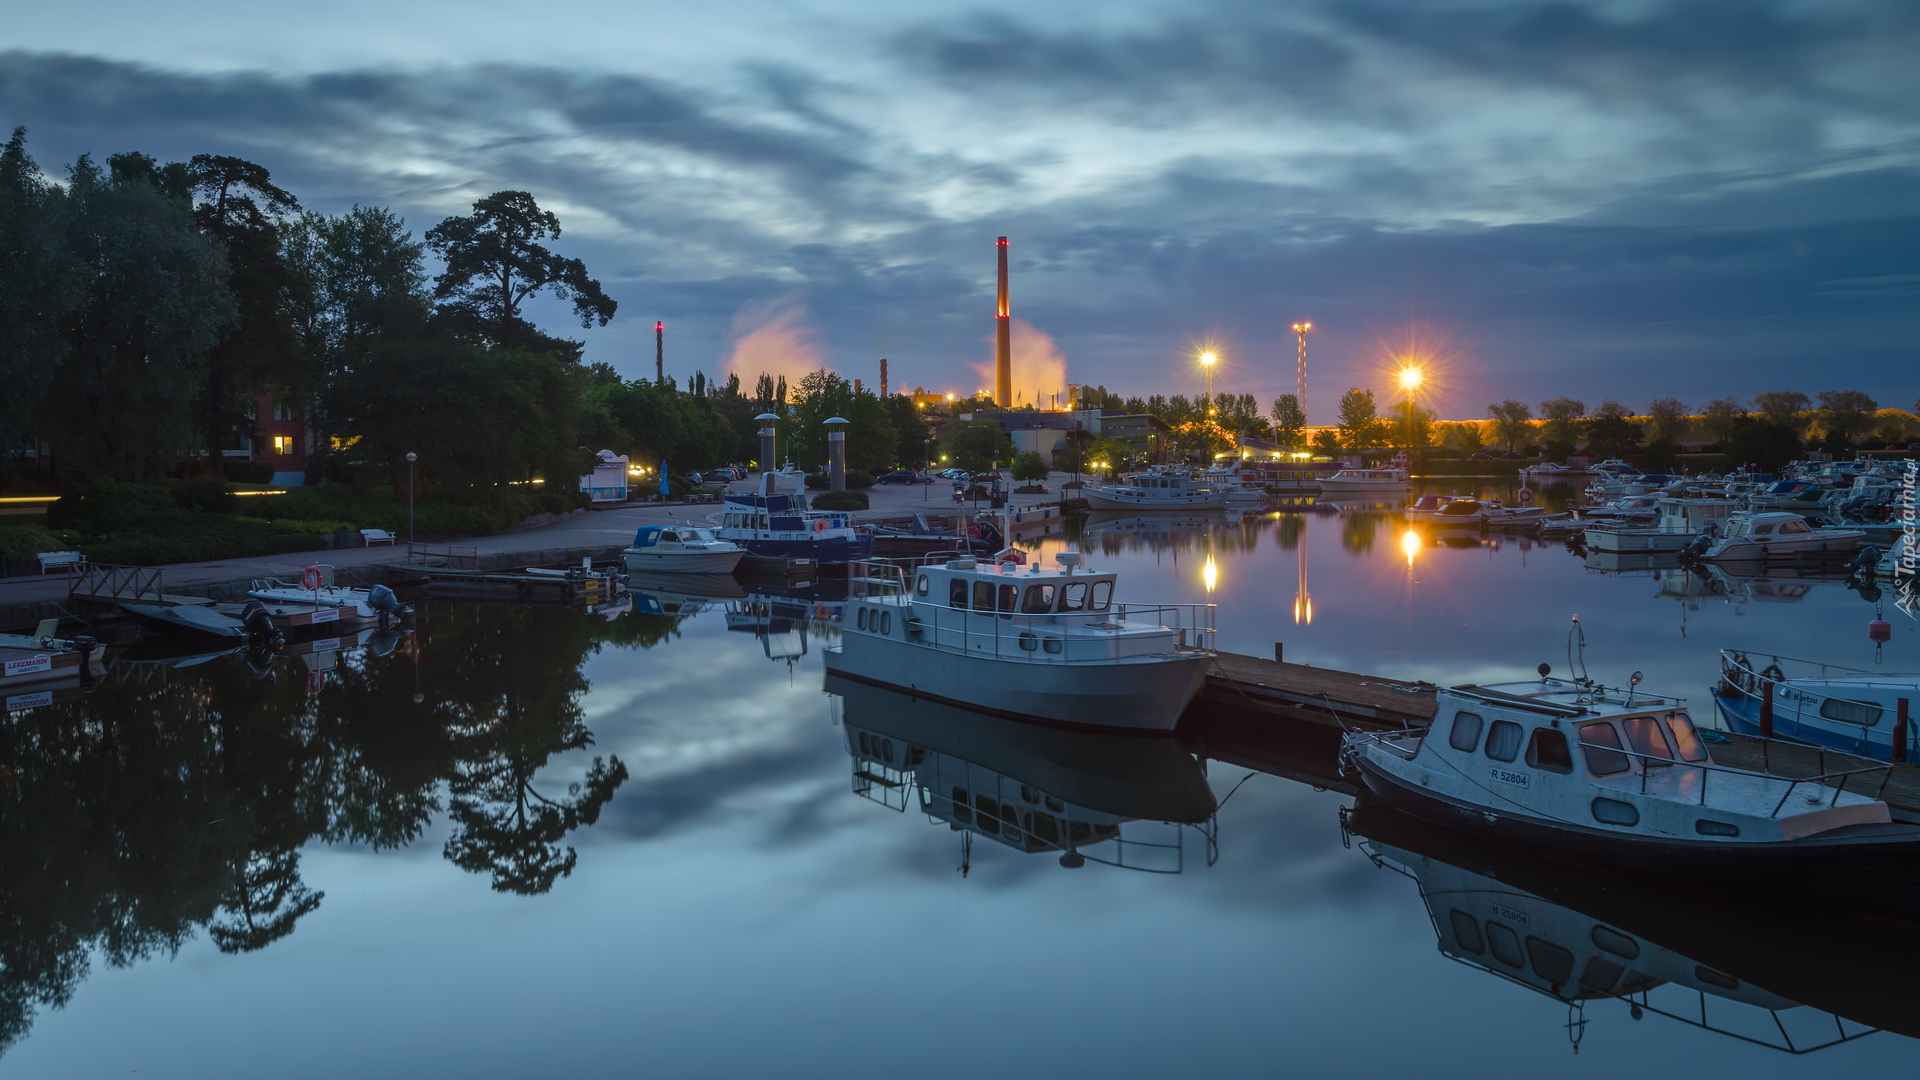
(1317, 695)
(531, 588)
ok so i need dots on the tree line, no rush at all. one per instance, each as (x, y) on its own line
(146, 306)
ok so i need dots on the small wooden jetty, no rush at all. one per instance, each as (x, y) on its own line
(531, 588)
(1317, 695)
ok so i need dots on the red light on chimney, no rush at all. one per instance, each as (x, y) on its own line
(1003, 241)
(659, 326)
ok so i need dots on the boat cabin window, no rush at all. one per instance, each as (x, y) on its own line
(1615, 812)
(1644, 737)
(1101, 594)
(1600, 745)
(1864, 713)
(1685, 738)
(1466, 932)
(1074, 596)
(1550, 961)
(1615, 942)
(1466, 732)
(1758, 529)
(922, 584)
(1506, 945)
(1711, 977)
(1548, 750)
(1795, 526)
(983, 596)
(1009, 598)
(957, 592)
(1039, 599)
(1503, 740)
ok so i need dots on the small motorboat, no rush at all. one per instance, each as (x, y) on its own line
(1363, 481)
(1487, 512)
(1619, 779)
(43, 656)
(1774, 535)
(681, 549)
(1050, 644)
(316, 588)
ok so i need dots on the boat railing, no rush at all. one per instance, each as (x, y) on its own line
(1742, 677)
(1652, 764)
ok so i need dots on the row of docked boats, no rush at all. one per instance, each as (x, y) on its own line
(1238, 485)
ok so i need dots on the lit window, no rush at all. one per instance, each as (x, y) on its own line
(283, 444)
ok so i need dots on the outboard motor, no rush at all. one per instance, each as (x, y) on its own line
(1864, 561)
(382, 600)
(260, 629)
(1698, 547)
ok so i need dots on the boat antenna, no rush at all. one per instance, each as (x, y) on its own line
(1577, 652)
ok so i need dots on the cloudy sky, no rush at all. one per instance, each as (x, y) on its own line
(1627, 199)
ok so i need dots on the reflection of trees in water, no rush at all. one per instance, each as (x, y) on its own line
(148, 809)
(1168, 532)
(1358, 531)
(1290, 529)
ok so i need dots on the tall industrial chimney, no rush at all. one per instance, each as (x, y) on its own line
(659, 351)
(1003, 340)
(883, 378)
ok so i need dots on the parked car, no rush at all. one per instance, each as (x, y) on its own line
(1481, 457)
(902, 476)
(1513, 456)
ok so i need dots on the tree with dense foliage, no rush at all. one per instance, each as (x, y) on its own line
(1721, 417)
(1511, 421)
(1289, 421)
(154, 302)
(975, 445)
(495, 262)
(1560, 429)
(242, 209)
(1410, 425)
(38, 285)
(1029, 466)
(1846, 415)
(1666, 420)
(1468, 436)
(1239, 414)
(1326, 442)
(913, 436)
(1783, 408)
(1360, 424)
(873, 446)
(1760, 443)
(1612, 433)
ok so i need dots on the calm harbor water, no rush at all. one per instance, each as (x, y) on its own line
(536, 841)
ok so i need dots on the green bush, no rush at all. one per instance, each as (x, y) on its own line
(205, 493)
(468, 512)
(840, 500)
(311, 528)
(105, 506)
(247, 472)
(20, 543)
(1030, 489)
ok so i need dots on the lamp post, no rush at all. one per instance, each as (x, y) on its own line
(1410, 379)
(767, 420)
(926, 466)
(411, 458)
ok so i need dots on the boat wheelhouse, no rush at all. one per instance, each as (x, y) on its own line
(1154, 491)
(681, 549)
(775, 527)
(1052, 644)
(1623, 780)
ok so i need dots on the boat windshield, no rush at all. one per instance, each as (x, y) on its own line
(1643, 736)
(1600, 745)
(1685, 738)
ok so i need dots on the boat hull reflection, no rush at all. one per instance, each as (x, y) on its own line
(1754, 949)
(1031, 787)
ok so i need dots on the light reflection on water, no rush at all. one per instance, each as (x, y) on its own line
(599, 846)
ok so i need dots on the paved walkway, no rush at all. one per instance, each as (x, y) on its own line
(591, 529)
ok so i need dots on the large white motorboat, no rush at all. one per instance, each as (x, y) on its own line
(1860, 712)
(1233, 486)
(681, 549)
(1773, 535)
(1363, 481)
(1642, 794)
(1677, 524)
(1049, 644)
(1154, 491)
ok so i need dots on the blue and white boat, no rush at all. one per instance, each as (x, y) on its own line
(1860, 712)
(774, 526)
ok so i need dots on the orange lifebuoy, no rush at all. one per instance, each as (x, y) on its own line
(819, 525)
(310, 578)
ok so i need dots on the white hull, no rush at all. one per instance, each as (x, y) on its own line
(1143, 695)
(1099, 500)
(1621, 541)
(1737, 548)
(1354, 487)
(693, 562)
(330, 597)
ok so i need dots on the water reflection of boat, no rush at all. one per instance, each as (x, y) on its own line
(1616, 562)
(1741, 968)
(679, 595)
(783, 619)
(1089, 796)
(1149, 527)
